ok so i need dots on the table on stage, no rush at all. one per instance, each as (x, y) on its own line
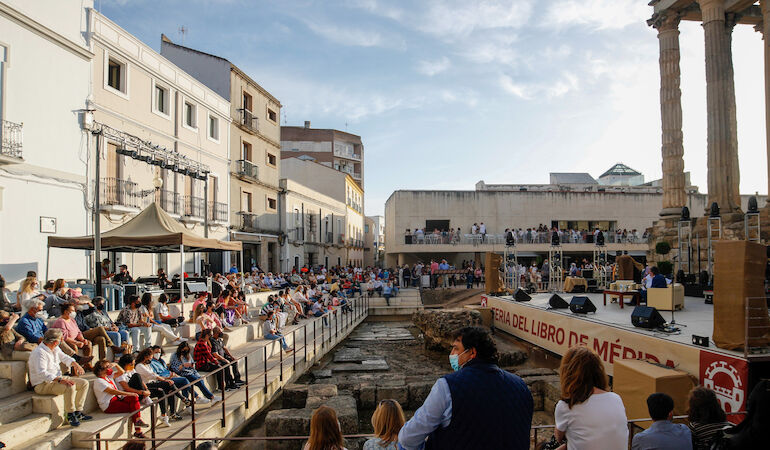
(620, 294)
(571, 282)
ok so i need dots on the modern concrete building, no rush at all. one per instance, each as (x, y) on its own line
(339, 186)
(255, 151)
(314, 228)
(333, 148)
(160, 135)
(45, 65)
(374, 250)
(580, 206)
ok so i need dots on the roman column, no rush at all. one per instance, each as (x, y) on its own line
(764, 27)
(722, 135)
(674, 196)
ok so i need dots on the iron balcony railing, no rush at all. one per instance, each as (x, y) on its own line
(247, 169)
(248, 120)
(329, 237)
(171, 202)
(341, 239)
(118, 192)
(454, 238)
(193, 207)
(297, 234)
(249, 221)
(11, 139)
(217, 212)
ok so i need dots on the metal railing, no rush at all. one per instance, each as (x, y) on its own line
(217, 212)
(341, 239)
(348, 155)
(297, 234)
(329, 237)
(12, 137)
(247, 169)
(342, 322)
(193, 206)
(249, 221)
(248, 119)
(454, 238)
(118, 192)
(171, 202)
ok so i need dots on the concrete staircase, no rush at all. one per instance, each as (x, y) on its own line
(32, 421)
(407, 302)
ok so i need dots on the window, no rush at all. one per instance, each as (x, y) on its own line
(366, 229)
(213, 128)
(246, 202)
(116, 75)
(246, 151)
(271, 159)
(272, 115)
(3, 64)
(247, 102)
(272, 203)
(162, 101)
(190, 115)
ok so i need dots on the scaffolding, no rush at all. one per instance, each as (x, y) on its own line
(684, 242)
(714, 234)
(556, 274)
(511, 266)
(751, 222)
(600, 260)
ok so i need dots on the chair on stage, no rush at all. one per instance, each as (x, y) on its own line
(666, 299)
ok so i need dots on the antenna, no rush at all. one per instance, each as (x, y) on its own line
(183, 32)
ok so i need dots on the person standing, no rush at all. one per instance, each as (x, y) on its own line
(325, 433)
(387, 421)
(46, 377)
(662, 434)
(479, 405)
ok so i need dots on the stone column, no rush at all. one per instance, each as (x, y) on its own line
(674, 196)
(764, 27)
(723, 171)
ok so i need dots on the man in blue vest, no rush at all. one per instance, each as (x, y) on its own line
(478, 406)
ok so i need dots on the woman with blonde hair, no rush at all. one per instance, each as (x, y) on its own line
(325, 433)
(588, 415)
(28, 290)
(387, 421)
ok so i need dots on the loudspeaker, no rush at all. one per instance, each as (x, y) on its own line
(557, 302)
(646, 317)
(700, 340)
(521, 295)
(581, 305)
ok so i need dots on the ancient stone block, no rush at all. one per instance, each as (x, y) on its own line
(315, 402)
(438, 326)
(321, 390)
(294, 396)
(287, 422)
(368, 396)
(418, 392)
(347, 413)
(399, 393)
(534, 372)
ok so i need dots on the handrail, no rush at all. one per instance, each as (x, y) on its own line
(355, 304)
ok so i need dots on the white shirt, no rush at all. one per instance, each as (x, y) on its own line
(145, 371)
(483, 229)
(598, 423)
(102, 397)
(44, 364)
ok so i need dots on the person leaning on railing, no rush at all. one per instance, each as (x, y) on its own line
(113, 400)
(387, 421)
(325, 433)
(182, 363)
(706, 417)
(587, 415)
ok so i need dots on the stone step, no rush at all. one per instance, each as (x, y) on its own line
(53, 440)
(15, 407)
(394, 310)
(16, 373)
(395, 301)
(15, 433)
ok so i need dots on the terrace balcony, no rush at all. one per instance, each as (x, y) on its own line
(11, 138)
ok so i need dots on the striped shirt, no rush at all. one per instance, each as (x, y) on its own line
(703, 435)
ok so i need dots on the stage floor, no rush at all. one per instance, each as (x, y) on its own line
(695, 318)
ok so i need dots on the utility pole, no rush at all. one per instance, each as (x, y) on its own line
(97, 215)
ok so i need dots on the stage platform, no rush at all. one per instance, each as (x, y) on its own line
(609, 333)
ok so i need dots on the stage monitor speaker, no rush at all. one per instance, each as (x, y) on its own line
(521, 295)
(646, 317)
(581, 305)
(703, 341)
(557, 302)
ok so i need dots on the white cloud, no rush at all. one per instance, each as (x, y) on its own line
(565, 84)
(378, 8)
(350, 36)
(601, 14)
(455, 19)
(433, 67)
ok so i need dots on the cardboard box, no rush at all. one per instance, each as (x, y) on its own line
(634, 380)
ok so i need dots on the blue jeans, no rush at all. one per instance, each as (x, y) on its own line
(275, 337)
(118, 337)
(201, 385)
(179, 382)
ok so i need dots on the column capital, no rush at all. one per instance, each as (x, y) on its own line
(664, 21)
(712, 10)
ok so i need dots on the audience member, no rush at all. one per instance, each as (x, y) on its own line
(662, 434)
(113, 400)
(706, 417)
(269, 331)
(218, 348)
(10, 339)
(587, 415)
(387, 421)
(148, 314)
(131, 318)
(468, 408)
(157, 385)
(159, 366)
(207, 361)
(183, 364)
(32, 327)
(325, 433)
(751, 433)
(46, 377)
(162, 312)
(98, 317)
(71, 334)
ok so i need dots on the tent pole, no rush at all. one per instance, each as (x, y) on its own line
(97, 211)
(181, 277)
(47, 261)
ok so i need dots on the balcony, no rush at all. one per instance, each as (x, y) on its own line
(341, 240)
(11, 140)
(246, 169)
(347, 155)
(297, 234)
(217, 212)
(356, 176)
(121, 196)
(248, 120)
(329, 238)
(249, 222)
(171, 202)
(193, 209)
(568, 240)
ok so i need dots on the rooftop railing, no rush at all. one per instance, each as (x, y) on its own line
(453, 238)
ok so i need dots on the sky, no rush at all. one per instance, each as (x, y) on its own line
(445, 93)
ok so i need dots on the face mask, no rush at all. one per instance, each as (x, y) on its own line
(108, 372)
(156, 356)
(41, 315)
(99, 307)
(66, 286)
(454, 361)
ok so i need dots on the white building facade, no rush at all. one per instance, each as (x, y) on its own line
(45, 65)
